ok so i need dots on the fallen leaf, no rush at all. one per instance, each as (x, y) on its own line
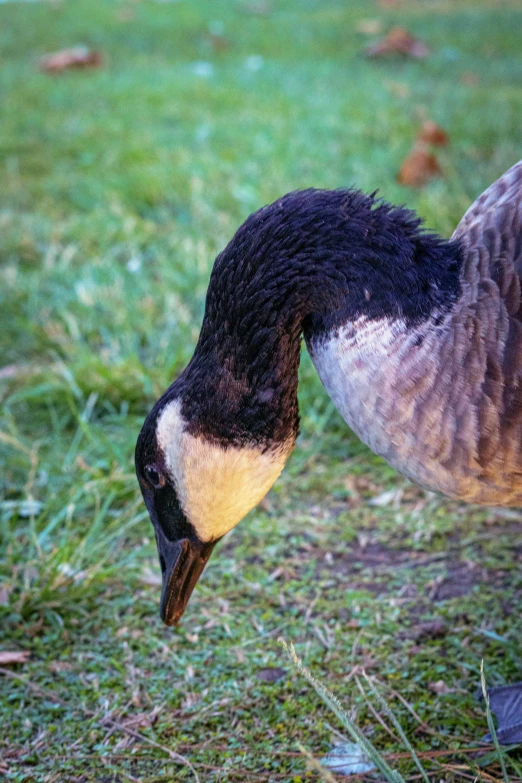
(431, 133)
(398, 41)
(347, 758)
(419, 167)
(75, 57)
(440, 687)
(271, 674)
(10, 657)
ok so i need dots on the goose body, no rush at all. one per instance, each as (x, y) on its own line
(417, 340)
(441, 400)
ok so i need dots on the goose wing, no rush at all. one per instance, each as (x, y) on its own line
(490, 325)
(490, 234)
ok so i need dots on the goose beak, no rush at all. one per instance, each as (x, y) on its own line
(182, 563)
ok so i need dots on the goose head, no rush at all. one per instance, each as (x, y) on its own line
(196, 488)
(216, 441)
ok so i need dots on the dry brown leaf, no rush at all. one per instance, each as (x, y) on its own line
(10, 657)
(431, 133)
(75, 57)
(419, 167)
(398, 41)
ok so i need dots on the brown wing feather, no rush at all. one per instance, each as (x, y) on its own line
(490, 234)
(493, 225)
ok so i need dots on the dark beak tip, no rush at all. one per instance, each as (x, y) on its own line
(170, 622)
(184, 562)
(172, 618)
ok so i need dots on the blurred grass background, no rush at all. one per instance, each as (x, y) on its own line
(118, 187)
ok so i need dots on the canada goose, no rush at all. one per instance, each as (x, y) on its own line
(417, 339)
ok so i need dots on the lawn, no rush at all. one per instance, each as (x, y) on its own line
(119, 185)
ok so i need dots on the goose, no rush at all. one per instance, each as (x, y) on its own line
(417, 340)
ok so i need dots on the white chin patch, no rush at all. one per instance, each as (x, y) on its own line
(216, 486)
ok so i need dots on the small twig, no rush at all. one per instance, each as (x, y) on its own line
(324, 641)
(466, 774)
(310, 608)
(356, 670)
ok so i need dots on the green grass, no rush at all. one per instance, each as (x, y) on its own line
(118, 188)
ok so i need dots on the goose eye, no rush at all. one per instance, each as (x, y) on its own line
(154, 477)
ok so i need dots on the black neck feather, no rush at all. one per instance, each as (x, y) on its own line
(309, 263)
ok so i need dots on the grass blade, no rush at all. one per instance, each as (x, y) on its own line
(384, 704)
(491, 723)
(331, 701)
